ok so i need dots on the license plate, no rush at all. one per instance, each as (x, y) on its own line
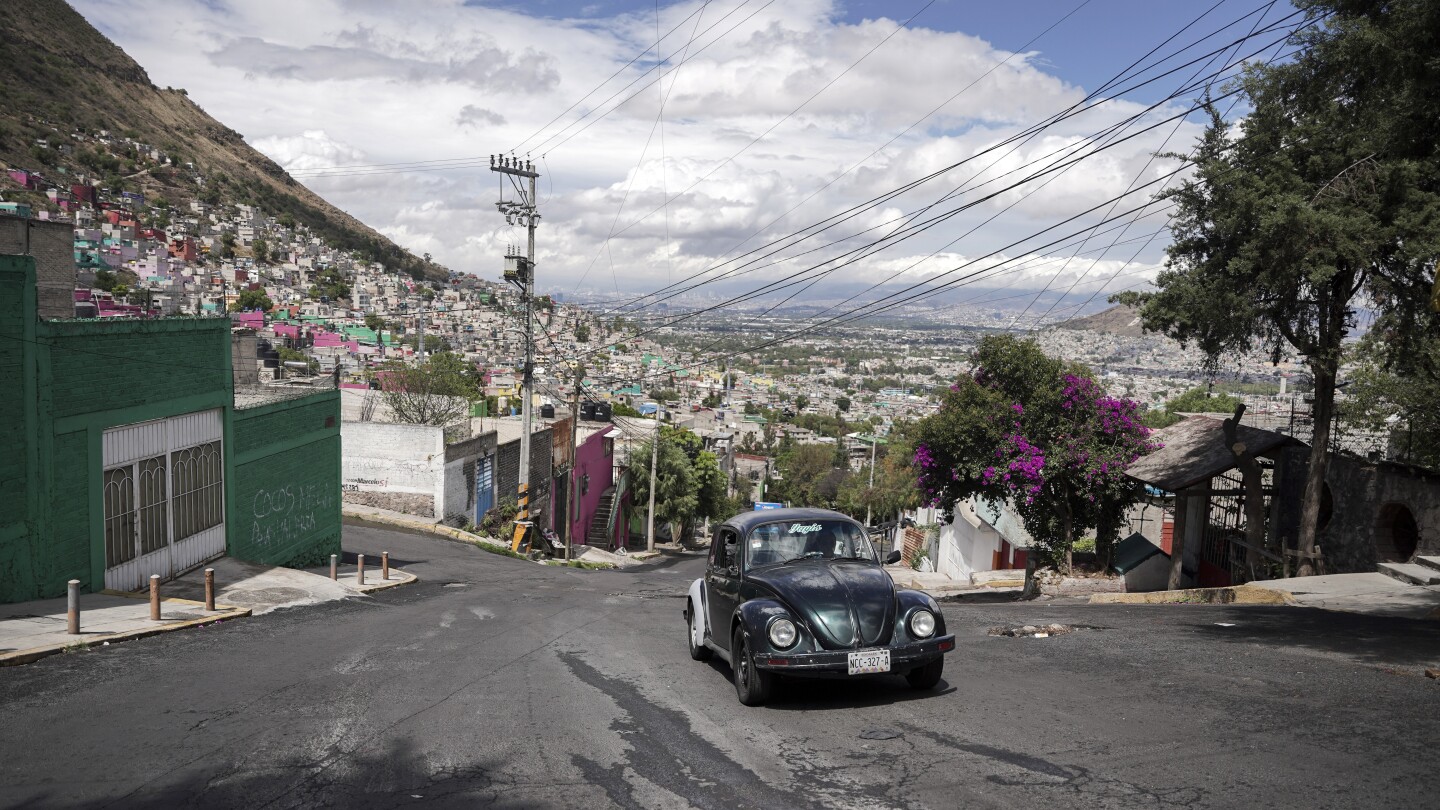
(866, 661)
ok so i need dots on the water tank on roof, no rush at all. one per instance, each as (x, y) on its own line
(587, 411)
(547, 411)
(602, 412)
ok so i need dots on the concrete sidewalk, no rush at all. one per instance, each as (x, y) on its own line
(32, 630)
(941, 586)
(1373, 594)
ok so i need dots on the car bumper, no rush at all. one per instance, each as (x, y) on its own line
(902, 658)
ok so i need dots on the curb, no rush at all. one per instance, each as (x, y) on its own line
(1237, 595)
(384, 585)
(36, 653)
(423, 526)
(438, 529)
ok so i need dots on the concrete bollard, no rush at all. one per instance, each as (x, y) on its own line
(154, 597)
(72, 607)
(360, 568)
(209, 588)
(334, 566)
(384, 565)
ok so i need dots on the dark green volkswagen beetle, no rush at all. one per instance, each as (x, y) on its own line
(802, 592)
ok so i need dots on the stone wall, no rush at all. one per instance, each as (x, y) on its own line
(1370, 502)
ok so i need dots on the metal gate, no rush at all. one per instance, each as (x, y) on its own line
(484, 487)
(164, 497)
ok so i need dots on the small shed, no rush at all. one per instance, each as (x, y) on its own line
(1197, 464)
(1144, 565)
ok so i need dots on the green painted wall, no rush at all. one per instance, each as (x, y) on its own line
(63, 383)
(285, 487)
(19, 511)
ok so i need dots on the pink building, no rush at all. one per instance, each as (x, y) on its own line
(250, 320)
(594, 476)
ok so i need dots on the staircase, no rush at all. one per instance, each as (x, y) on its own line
(598, 535)
(1423, 571)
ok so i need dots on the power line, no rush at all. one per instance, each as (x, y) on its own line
(879, 199)
(1150, 160)
(655, 47)
(547, 146)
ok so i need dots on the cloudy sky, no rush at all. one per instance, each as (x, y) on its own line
(749, 121)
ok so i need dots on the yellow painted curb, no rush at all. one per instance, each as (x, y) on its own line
(1238, 595)
(36, 653)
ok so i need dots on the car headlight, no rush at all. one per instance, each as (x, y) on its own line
(782, 634)
(922, 624)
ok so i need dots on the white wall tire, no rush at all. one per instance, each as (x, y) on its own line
(695, 632)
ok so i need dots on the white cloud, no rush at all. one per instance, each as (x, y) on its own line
(341, 82)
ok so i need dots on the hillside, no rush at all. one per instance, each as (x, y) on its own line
(1117, 320)
(63, 82)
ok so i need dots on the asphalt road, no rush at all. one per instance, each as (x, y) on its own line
(496, 682)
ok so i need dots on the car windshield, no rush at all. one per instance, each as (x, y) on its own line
(784, 541)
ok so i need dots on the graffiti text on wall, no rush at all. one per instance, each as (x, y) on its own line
(288, 512)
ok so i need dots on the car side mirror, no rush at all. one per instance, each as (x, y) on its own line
(893, 557)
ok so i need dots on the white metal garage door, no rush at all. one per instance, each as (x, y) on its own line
(164, 496)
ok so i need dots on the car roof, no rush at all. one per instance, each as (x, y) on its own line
(745, 521)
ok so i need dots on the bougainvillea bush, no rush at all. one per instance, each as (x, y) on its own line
(1040, 434)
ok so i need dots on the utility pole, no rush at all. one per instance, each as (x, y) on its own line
(520, 270)
(870, 493)
(570, 506)
(654, 456)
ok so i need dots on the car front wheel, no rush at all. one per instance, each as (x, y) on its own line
(925, 677)
(698, 652)
(753, 686)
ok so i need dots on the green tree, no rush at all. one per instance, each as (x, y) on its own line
(895, 489)
(582, 333)
(618, 408)
(251, 300)
(1194, 400)
(260, 251)
(288, 355)
(1399, 407)
(803, 469)
(1039, 434)
(676, 496)
(843, 404)
(801, 402)
(433, 343)
(434, 392)
(374, 323)
(1328, 194)
(711, 499)
(330, 284)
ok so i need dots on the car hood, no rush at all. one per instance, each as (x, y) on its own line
(847, 603)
